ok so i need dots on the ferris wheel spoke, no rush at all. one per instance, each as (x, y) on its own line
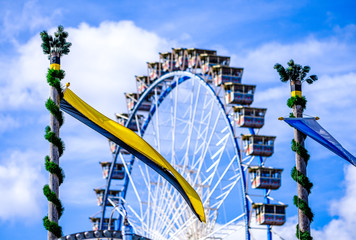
(224, 226)
(219, 181)
(173, 120)
(223, 196)
(192, 115)
(164, 215)
(135, 213)
(198, 131)
(160, 214)
(167, 203)
(207, 145)
(178, 217)
(157, 128)
(149, 196)
(155, 203)
(169, 210)
(132, 182)
(188, 222)
(146, 181)
(204, 144)
(246, 165)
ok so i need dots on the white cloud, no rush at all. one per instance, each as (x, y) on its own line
(101, 66)
(104, 60)
(7, 123)
(344, 212)
(21, 185)
(329, 56)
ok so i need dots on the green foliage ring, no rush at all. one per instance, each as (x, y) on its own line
(54, 78)
(301, 179)
(54, 169)
(54, 110)
(296, 147)
(302, 101)
(51, 137)
(52, 197)
(303, 235)
(303, 205)
(53, 227)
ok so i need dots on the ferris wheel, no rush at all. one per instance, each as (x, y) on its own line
(194, 110)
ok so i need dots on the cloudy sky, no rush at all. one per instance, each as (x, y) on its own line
(113, 40)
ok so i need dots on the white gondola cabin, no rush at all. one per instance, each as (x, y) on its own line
(132, 98)
(207, 61)
(167, 61)
(236, 93)
(249, 117)
(180, 59)
(113, 195)
(193, 54)
(135, 123)
(142, 83)
(96, 222)
(118, 171)
(224, 74)
(258, 145)
(270, 214)
(265, 177)
(154, 70)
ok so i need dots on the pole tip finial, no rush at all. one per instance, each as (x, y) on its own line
(281, 118)
(317, 118)
(67, 84)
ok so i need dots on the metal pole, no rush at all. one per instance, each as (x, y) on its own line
(53, 151)
(299, 137)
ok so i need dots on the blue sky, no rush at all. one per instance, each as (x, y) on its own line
(112, 41)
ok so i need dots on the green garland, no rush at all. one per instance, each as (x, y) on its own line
(54, 109)
(54, 169)
(303, 205)
(296, 147)
(53, 78)
(302, 101)
(52, 197)
(51, 137)
(53, 227)
(303, 235)
(301, 179)
(298, 176)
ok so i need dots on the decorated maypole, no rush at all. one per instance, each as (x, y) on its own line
(54, 47)
(296, 74)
